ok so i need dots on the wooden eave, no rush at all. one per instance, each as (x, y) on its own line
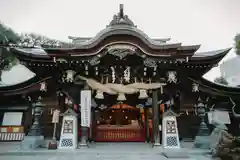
(28, 86)
(216, 89)
(180, 52)
(30, 56)
(216, 55)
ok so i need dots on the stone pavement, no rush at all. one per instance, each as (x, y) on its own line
(98, 151)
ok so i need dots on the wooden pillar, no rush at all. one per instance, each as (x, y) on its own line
(61, 107)
(91, 134)
(156, 112)
(146, 124)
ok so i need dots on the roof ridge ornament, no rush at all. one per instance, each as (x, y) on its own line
(121, 19)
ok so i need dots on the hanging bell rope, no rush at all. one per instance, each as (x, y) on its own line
(97, 86)
(121, 97)
(114, 88)
(120, 88)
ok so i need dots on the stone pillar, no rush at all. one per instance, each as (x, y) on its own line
(34, 138)
(156, 112)
(146, 124)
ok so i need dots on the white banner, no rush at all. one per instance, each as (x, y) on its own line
(86, 108)
(55, 117)
(221, 117)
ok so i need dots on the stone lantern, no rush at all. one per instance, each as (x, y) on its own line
(202, 138)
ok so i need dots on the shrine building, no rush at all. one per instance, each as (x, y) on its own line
(134, 79)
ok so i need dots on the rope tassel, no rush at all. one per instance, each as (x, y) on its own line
(121, 97)
(143, 94)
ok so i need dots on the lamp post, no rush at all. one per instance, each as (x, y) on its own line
(203, 129)
(34, 138)
(35, 129)
(202, 138)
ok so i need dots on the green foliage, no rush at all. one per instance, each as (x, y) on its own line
(237, 43)
(221, 80)
(7, 59)
(7, 35)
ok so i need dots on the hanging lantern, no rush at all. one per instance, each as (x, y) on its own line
(99, 95)
(121, 97)
(143, 94)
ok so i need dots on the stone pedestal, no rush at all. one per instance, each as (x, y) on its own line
(202, 140)
(32, 142)
(83, 142)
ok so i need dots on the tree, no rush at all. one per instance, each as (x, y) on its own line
(221, 80)
(9, 38)
(7, 35)
(33, 39)
(237, 43)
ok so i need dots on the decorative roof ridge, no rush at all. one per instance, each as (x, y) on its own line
(122, 29)
(160, 40)
(120, 24)
(121, 19)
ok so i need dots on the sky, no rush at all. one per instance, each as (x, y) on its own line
(211, 23)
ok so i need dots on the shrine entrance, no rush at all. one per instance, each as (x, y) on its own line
(120, 123)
